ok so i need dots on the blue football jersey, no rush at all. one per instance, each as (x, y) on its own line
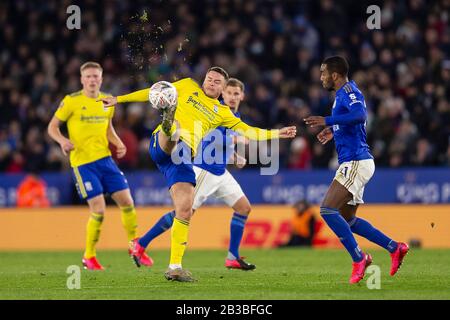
(219, 140)
(348, 124)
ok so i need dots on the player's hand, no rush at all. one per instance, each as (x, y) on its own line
(66, 146)
(239, 161)
(121, 151)
(108, 101)
(315, 121)
(240, 140)
(325, 135)
(288, 132)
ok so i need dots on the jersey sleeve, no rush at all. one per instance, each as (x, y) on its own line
(136, 96)
(353, 99)
(356, 111)
(111, 112)
(182, 84)
(142, 95)
(236, 124)
(64, 110)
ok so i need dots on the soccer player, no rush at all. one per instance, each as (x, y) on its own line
(213, 179)
(90, 130)
(338, 209)
(197, 113)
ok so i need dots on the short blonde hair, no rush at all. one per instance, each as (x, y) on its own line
(91, 64)
(233, 82)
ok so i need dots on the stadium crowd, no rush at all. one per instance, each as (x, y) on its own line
(274, 47)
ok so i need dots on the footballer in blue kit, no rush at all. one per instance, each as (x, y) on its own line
(213, 179)
(347, 125)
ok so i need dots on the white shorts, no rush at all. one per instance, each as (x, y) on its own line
(223, 187)
(354, 175)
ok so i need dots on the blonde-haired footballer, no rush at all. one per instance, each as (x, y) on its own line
(90, 130)
(198, 111)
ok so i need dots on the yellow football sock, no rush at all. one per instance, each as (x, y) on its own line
(180, 230)
(92, 233)
(129, 221)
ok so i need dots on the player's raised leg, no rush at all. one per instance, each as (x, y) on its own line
(93, 228)
(241, 209)
(365, 229)
(337, 195)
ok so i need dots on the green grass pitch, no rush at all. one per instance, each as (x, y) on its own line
(281, 274)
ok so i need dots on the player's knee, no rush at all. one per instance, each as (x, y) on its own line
(326, 210)
(351, 220)
(184, 213)
(245, 210)
(348, 217)
(127, 203)
(98, 210)
(242, 206)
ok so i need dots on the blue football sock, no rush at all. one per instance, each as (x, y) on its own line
(236, 232)
(164, 223)
(365, 229)
(341, 228)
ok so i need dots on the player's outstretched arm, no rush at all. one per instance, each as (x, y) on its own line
(136, 96)
(356, 115)
(254, 133)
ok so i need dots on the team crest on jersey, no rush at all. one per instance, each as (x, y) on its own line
(196, 94)
(216, 108)
(88, 186)
(84, 108)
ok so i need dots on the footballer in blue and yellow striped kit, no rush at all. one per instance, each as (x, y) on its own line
(90, 131)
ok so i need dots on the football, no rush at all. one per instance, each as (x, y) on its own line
(162, 95)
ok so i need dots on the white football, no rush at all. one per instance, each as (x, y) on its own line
(162, 95)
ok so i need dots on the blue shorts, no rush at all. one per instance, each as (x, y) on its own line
(98, 177)
(179, 171)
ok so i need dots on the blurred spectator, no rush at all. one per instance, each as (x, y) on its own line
(302, 225)
(300, 156)
(274, 47)
(32, 193)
